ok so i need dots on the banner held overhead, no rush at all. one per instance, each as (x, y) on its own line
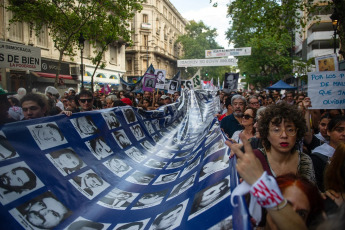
(245, 51)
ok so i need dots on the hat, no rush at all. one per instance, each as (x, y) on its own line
(127, 101)
(164, 97)
(52, 90)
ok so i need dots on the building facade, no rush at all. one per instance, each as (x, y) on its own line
(20, 33)
(154, 33)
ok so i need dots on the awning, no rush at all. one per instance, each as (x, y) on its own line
(52, 75)
(101, 75)
(113, 77)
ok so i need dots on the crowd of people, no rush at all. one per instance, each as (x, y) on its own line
(274, 137)
(296, 151)
(24, 106)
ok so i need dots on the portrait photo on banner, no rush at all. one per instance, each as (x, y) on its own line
(149, 83)
(99, 148)
(85, 126)
(150, 199)
(230, 82)
(121, 138)
(326, 63)
(118, 199)
(160, 78)
(117, 166)
(82, 223)
(111, 120)
(137, 225)
(17, 180)
(6, 149)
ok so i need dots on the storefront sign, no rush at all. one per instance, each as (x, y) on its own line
(20, 57)
(50, 66)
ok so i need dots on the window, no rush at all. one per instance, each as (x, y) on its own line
(129, 65)
(165, 11)
(145, 40)
(42, 38)
(170, 16)
(145, 18)
(113, 54)
(145, 65)
(158, 3)
(16, 30)
(174, 21)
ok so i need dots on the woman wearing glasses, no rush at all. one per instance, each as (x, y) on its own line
(248, 121)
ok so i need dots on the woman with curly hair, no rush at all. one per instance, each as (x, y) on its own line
(282, 127)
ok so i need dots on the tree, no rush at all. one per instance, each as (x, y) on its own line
(65, 19)
(197, 39)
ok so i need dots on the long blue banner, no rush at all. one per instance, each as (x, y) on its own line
(120, 168)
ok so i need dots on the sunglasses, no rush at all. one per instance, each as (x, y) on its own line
(85, 100)
(247, 117)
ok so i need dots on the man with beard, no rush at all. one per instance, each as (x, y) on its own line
(17, 180)
(44, 212)
(232, 123)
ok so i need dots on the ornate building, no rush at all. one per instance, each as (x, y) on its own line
(155, 30)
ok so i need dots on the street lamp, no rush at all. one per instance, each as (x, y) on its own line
(81, 46)
(335, 23)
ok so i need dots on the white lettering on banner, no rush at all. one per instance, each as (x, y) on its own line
(15, 56)
(207, 62)
(326, 89)
(245, 51)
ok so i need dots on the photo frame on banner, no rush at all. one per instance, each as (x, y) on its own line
(183, 186)
(135, 154)
(166, 178)
(47, 135)
(24, 212)
(326, 63)
(173, 86)
(230, 82)
(149, 82)
(66, 161)
(150, 199)
(118, 199)
(85, 126)
(10, 175)
(117, 166)
(82, 223)
(111, 120)
(121, 138)
(99, 148)
(160, 78)
(152, 163)
(213, 166)
(129, 115)
(7, 151)
(140, 178)
(139, 224)
(147, 146)
(137, 132)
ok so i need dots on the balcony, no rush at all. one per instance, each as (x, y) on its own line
(320, 52)
(146, 26)
(321, 35)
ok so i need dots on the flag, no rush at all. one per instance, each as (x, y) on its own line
(105, 89)
(138, 86)
(197, 80)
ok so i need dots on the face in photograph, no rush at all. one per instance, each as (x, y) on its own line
(160, 77)
(131, 226)
(85, 225)
(135, 154)
(165, 154)
(99, 147)
(6, 149)
(183, 186)
(212, 167)
(166, 178)
(44, 211)
(168, 219)
(155, 164)
(90, 183)
(149, 83)
(111, 120)
(129, 115)
(149, 127)
(67, 160)
(47, 135)
(85, 126)
(147, 145)
(121, 139)
(176, 164)
(151, 199)
(211, 195)
(118, 166)
(173, 85)
(137, 132)
(156, 138)
(230, 81)
(141, 178)
(191, 166)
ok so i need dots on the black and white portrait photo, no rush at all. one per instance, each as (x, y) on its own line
(121, 138)
(156, 138)
(150, 199)
(82, 223)
(137, 132)
(213, 166)
(156, 124)
(210, 196)
(89, 183)
(230, 82)
(211, 137)
(129, 115)
(135, 154)
(117, 199)
(66, 161)
(190, 166)
(183, 186)
(111, 120)
(43, 212)
(47, 135)
(117, 166)
(147, 146)
(166, 178)
(152, 163)
(160, 78)
(171, 218)
(140, 178)
(149, 127)
(216, 147)
(84, 126)
(176, 164)
(137, 225)
(149, 82)
(173, 86)
(6, 149)
(165, 154)
(99, 148)
(17, 180)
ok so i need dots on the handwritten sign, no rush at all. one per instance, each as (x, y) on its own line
(327, 89)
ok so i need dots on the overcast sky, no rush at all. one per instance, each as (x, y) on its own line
(214, 17)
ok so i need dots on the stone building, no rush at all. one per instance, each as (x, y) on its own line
(155, 30)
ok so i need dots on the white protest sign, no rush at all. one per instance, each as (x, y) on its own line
(21, 57)
(245, 51)
(207, 62)
(327, 89)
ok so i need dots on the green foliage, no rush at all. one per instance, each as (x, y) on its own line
(197, 39)
(101, 21)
